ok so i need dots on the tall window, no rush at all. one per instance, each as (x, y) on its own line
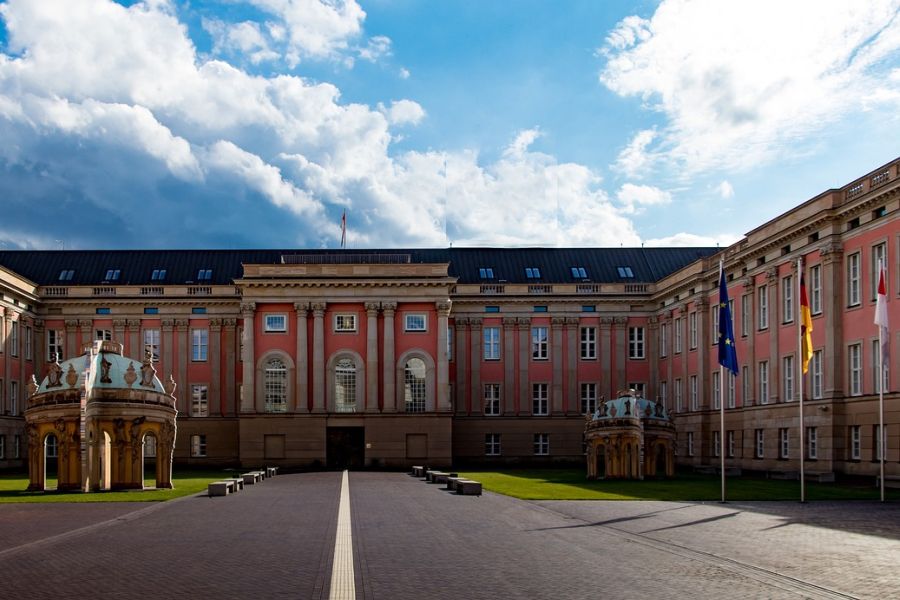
(588, 343)
(878, 258)
(716, 444)
(55, 340)
(763, 382)
(815, 289)
(729, 392)
(787, 374)
(853, 279)
(663, 340)
(855, 442)
(635, 342)
(879, 375)
(491, 343)
(877, 446)
(492, 399)
(539, 349)
(692, 330)
(103, 335)
(542, 444)
(345, 386)
(816, 368)
(588, 398)
(638, 388)
(679, 402)
(14, 397)
(663, 393)
(760, 447)
(275, 384)
(539, 399)
(763, 303)
(746, 393)
(854, 362)
(784, 446)
(149, 446)
(14, 338)
(199, 400)
(812, 443)
(677, 333)
(695, 398)
(199, 344)
(730, 438)
(29, 343)
(787, 299)
(17, 446)
(492, 444)
(198, 446)
(715, 390)
(745, 315)
(690, 443)
(151, 343)
(415, 385)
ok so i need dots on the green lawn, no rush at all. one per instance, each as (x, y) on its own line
(12, 489)
(570, 484)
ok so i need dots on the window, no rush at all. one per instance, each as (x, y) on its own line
(730, 438)
(199, 344)
(492, 444)
(204, 275)
(579, 273)
(679, 407)
(198, 310)
(112, 275)
(492, 399)
(532, 273)
(66, 274)
(414, 322)
(17, 446)
(763, 295)
(816, 368)
(746, 393)
(541, 444)
(854, 361)
(759, 449)
(695, 398)
(345, 322)
(588, 343)
(540, 308)
(879, 376)
(103, 335)
(877, 446)
(199, 400)
(815, 289)
(678, 335)
(812, 443)
(491, 343)
(276, 323)
(588, 398)
(714, 330)
(636, 342)
(638, 388)
(51, 447)
(588, 308)
(787, 375)
(151, 310)
(13, 340)
(716, 390)
(149, 446)
(415, 385)
(878, 258)
(663, 340)
(486, 273)
(104, 310)
(539, 405)
(54, 345)
(2, 447)
(853, 280)
(539, 348)
(716, 444)
(690, 443)
(764, 382)
(855, 442)
(151, 343)
(29, 343)
(784, 446)
(198, 446)
(664, 393)
(345, 386)
(729, 393)
(491, 309)
(275, 385)
(745, 315)
(625, 272)
(692, 330)
(14, 397)
(787, 299)
(158, 275)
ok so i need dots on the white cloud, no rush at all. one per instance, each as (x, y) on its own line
(740, 83)
(377, 48)
(725, 190)
(689, 239)
(634, 198)
(403, 73)
(240, 38)
(523, 140)
(634, 158)
(403, 112)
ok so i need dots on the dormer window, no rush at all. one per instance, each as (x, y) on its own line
(158, 275)
(486, 273)
(625, 272)
(112, 275)
(66, 274)
(579, 273)
(532, 273)
(204, 274)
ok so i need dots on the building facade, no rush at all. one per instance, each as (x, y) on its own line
(393, 357)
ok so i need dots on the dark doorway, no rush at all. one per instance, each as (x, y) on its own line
(601, 462)
(346, 447)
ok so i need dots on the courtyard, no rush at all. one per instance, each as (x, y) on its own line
(415, 540)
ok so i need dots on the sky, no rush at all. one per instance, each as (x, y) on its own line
(258, 123)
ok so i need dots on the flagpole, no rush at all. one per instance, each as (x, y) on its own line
(801, 357)
(881, 393)
(722, 424)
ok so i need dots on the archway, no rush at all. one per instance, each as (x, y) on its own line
(51, 462)
(601, 461)
(149, 460)
(660, 460)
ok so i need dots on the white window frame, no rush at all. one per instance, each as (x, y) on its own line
(151, 342)
(678, 335)
(492, 444)
(540, 399)
(13, 397)
(815, 289)
(199, 400)
(275, 323)
(664, 392)
(540, 347)
(694, 393)
(784, 443)
(13, 341)
(763, 379)
(690, 443)
(198, 446)
(716, 444)
(636, 343)
(715, 390)
(29, 343)
(663, 340)
(492, 399)
(853, 295)
(410, 322)
(763, 304)
(787, 378)
(692, 330)
(714, 330)
(816, 375)
(199, 345)
(746, 313)
(812, 443)
(729, 435)
(759, 450)
(588, 398)
(541, 444)
(730, 392)
(638, 387)
(588, 338)
(787, 299)
(879, 253)
(56, 343)
(854, 368)
(679, 397)
(345, 322)
(855, 442)
(491, 343)
(877, 446)
(746, 387)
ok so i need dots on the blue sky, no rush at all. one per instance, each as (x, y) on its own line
(257, 123)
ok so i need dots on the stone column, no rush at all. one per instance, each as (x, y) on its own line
(832, 313)
(773, 281)
(572, 405)
(318, 366)
(372, 356)
(670, 359)
(119, 333)
(556, 356)
(703, 366)
(605, 349)
(750, 359)
(390, 394)
(87, 333)
(523, 325)
(620, 327)
(443, 359)
(24, 323)
(215, 357)
(462, 365)
(301, 359)
(652, 341)
(685, 349)
(509, 366)
(40, 353)
(5, 327)
(134, 342)
(71, 339)
(248, 312)
(229, 406)
(179, 362)
(477, 393)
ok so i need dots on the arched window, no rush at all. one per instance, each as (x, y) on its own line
(276, 386)
(415, 385)
(345, 386)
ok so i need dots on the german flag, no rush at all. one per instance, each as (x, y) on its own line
(806, 350)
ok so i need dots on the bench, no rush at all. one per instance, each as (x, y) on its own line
(251, 477)
(220, 488)
(430, 475)
(451, 482)
(271, 471)
(440, 477)
(238, 483)
(418, 471)
(467, 487)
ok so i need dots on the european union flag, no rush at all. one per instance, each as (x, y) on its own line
(727, 351)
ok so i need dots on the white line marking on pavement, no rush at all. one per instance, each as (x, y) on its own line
(343, 585)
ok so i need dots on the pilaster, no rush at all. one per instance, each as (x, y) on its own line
(182, 326)
(229, 405)
(509, 366)
(71, 339)
(620, 327)
(523, 326)
(462, 364)
(571, 392)
(443, 359)
(476, 391)
(318, 367)
(248, 312)
(556, 357)
(388, 309)
(832, 312)
(215, 357)
(605, 348)
(372, 356)
(301, 359)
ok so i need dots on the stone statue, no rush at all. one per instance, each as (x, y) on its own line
(147, 372)
(104, 370)
(71, 376)
(32, 386)
(170, 385)
(130, 375)
(54, 373)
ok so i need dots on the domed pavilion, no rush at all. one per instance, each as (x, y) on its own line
(97, 415)
(630, 438)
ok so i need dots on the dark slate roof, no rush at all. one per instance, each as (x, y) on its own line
(508, 264)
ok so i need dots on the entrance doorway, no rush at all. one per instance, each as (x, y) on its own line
(345, 447)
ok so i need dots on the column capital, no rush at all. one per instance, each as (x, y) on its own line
(167, 324)
(475, 324)
(38, 323)
(229, 323)
(748, 283)
(461, 323)
(523, 323)
(557, 322)
(620, 320)
(606, 322)
(118, 323)
(372, 309)
(572, 322)
(85, 323)
(509, 322)
(443, 307)
(132, 323)
(215, 324)
(318, 309)
(831, 248)
(248, 307)
(180, 324)
(301, 308)
(389, 308)
(653, 322)
(771, 273)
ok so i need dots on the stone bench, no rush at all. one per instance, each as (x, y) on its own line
(439, 477)
(271, 471)
(430, 475)
(221, 488)
(451, 482)
(238, 483)
(251, 478)
(418, 471)
(467, 487)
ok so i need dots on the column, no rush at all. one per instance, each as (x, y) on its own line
(685, 348)
(119, 333)
(750, 359)
(523, 325)
(173, 363)
(229, 406)
(670, 361)
(477, 393)
(248, 312)
(572, 404)
(774, 321)
(23, 383)
(5, 326)
(620, 327)
(390, 395)
(215, 358)
(87, 333)
(509, 366)
(605, 349)
(443, 359)
(462, 365)
(134, 343)
(40, 352)
(832, 311)
(653, 357)
(556, 394)
(372, 356)
(301, 359)
(71, 339)
(703, 341)
(318, 367)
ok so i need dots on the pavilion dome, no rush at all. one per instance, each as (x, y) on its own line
(108, 370)
(627, 406)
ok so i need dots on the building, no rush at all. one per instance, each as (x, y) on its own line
(392, 357)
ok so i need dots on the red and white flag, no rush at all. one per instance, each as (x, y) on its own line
(881, 316)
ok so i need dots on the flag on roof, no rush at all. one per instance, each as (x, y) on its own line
(727, 351)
